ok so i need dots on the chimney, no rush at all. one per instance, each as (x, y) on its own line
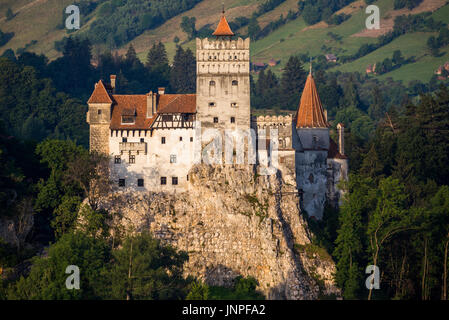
(113, 78)
(341, 138)
(161, 90)
(150, 107)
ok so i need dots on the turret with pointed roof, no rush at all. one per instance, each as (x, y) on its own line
(310, 112)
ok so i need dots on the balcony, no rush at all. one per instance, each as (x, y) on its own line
(133, 147)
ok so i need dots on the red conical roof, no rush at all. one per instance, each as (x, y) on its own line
(100, 94)
(223, 28)
(310, 113)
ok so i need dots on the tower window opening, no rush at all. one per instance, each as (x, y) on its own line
(215, 119)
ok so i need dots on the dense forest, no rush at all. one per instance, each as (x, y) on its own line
(394, 214)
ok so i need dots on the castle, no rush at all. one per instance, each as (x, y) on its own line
(154, 139)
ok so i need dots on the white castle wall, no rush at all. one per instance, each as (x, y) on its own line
(156, 162)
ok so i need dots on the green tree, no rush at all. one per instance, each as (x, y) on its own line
(144, 269)
(188, 26)
(349, 250)
(292, 82)
(253, 28)
(183, 72)
(198, 291)
(388, 218)
(47, 278)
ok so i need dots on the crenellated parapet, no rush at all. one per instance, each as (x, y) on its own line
(222, 44)
(272, 121)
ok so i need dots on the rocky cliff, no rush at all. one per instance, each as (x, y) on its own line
(234, 222)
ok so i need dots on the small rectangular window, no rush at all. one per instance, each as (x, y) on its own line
(124, 139)
(211, 104)
(174, 180)
(99, 111)
(162, 140)
(163, 180)
(215, 119)
(121, 182)
(142, 140)
(117, 159)
(140, 182)
(232, 120)
(173, 158)
(180, 138)
(191, 139)
(132, 158)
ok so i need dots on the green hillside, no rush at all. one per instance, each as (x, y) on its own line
(38, 20)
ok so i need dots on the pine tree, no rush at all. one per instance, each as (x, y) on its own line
(183, 73)
(253, 28)
(377, 108)
(157, 57)
(292, 83)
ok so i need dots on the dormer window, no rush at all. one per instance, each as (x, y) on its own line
(128, 119)
(128, 116)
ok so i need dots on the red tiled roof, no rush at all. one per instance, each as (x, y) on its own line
(223, 28)
(124, 103)
(333, 152)
(166, 103)
(177, 103)
(310, 112)
(100, 94)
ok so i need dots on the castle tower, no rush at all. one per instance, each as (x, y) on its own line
(223, 87)
(98, 117)
(312, 150)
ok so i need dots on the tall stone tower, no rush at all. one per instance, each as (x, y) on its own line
(223, 86)
(312, 149)
(99, 117)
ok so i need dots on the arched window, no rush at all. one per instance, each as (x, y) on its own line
(212, 83)
(235, 83)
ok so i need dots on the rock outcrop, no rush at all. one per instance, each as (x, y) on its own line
(233, 222)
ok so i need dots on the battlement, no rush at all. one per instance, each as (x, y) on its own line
(222, 44)
(269, 121)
